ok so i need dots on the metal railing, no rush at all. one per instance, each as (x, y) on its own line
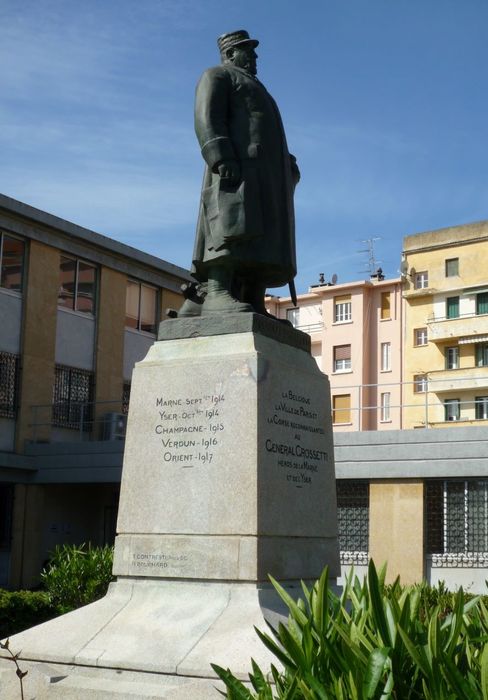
(87, 420)
(429, 408)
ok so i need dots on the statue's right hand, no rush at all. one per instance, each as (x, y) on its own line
(230, 170)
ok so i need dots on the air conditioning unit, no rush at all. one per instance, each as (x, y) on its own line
(114, 426)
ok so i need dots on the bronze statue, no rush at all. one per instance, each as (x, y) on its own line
(245, 239)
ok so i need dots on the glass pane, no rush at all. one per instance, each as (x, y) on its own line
(132, 305)
(67, 276)
(452, 304)
(12, 263)
(85, 290)
(477, 516)
(148, 309)
(455, 517)
(482, 303)
(482, 355)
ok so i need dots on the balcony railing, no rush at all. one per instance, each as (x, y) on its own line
(443, 328)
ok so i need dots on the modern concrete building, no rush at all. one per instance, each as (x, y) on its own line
(77, 309)
(356, 331)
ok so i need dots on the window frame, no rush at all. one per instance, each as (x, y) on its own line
(420, 334)
(138, 329)
(70, 411)
(293, 316)
(3, 235)
(483, 402)
(385, 353)
(420, 384)
(76, 284)
(481, 355)
(385, 308)
(450, 416)
(421, 279)
(9, 384)
(341, 365)
(353, 508)
(385, 402)
(480, 302)
(456, 521)
(451, 355)
(342, 309)
(451, 262)
(340, 410)
(452, 307)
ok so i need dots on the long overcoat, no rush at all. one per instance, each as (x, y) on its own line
(251, 224)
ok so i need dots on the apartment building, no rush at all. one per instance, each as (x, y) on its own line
(77, 309)
(446, 326)
(356, 340)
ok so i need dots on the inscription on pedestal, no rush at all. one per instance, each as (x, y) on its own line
(297, 420)
(189, 428)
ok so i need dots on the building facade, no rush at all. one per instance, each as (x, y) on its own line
(446, 327)
(77, 310)
(356, 331)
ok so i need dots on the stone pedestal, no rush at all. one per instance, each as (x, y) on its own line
(228, 476)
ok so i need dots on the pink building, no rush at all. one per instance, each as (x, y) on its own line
(356, 339)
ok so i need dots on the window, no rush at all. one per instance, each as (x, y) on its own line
(342, 309)
(9, 376)
(341, 408)
(293, 315)
(420, 336)
(482, 355)
(420, 383)
(125, 397)
(73, 393)
(342, 358)
(452, 409)
(481, 407)
(385, 406)
(452, 307)
(456, 518)
(385, 305)
(452, 267)
(77, 285)
(482, 303)
(141, 307)
(385, 357)
(452, 357)
(353, 520)
(12, 252)
(421, 280)
(6, 505)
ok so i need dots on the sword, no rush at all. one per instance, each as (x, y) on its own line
(293, 292)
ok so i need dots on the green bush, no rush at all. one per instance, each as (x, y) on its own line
(77, 575)
(22, 609)
(373, 642)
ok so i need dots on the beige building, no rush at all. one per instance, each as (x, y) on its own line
(446, 327)
(77, 309)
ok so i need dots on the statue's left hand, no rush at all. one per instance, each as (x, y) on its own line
(230, 170)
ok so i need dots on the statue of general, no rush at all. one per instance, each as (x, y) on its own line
(245, 239)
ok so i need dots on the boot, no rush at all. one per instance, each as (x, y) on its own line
(219, 297)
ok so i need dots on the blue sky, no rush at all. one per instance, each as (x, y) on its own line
(384, 104)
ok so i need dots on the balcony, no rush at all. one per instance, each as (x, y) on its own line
(464, 326)
(458, 379)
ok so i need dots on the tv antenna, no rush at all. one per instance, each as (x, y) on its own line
(372, 264)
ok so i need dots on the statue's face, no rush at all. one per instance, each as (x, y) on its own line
(244, 57)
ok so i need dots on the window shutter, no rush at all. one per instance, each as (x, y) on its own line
(342, 352)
